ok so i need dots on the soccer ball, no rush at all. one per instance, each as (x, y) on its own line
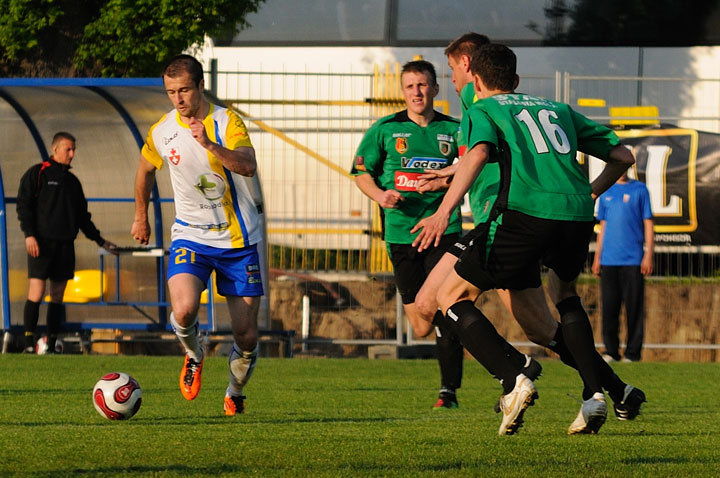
(117, 396)
(41, 348)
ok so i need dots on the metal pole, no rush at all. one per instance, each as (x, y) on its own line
(399, 317)
(305, 321)
(558, 86)
(566, 87)
(213, 76)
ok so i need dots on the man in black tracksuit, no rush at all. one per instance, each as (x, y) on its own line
(51, 207)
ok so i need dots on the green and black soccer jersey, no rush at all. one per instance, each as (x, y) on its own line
(536, 141)
(395, 151)
(484, 190)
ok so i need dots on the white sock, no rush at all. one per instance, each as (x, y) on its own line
(242, 364)
(188, 337)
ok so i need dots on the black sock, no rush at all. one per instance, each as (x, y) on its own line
(558, 346)
(55, 319)
(439, 320)
(578, 338)
(484, 343)
(608, 379)
(450, 357)
(30, 320)
(518, 359)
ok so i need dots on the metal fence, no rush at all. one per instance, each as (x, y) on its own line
(305, 127)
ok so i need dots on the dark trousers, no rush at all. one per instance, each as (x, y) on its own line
(623, 284)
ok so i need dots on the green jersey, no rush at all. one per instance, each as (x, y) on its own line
(395, 151)
(484, 190)
(536, 142)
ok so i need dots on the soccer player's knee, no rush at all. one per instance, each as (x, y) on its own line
(571, 311)
(464, 314)
(247, 340)
(422, 328)
(426, 304)
(559, 290)
(540, 336)
(184, 326)
(184, 317)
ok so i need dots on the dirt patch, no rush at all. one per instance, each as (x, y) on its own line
(351, 310)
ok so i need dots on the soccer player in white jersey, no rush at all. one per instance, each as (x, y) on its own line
(209, 154)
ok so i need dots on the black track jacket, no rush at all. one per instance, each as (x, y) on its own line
(51, 204)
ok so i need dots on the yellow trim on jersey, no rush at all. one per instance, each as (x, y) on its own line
(236, 235)
(149, 151)
(236, 134)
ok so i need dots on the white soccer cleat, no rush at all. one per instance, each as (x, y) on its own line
(591, 417)
(514, 404)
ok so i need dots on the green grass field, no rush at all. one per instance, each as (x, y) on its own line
(351, 417)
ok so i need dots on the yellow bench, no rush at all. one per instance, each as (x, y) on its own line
(634, 115)
(85, 287)
(216, 297)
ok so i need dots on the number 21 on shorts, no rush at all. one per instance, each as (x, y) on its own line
(181, 256)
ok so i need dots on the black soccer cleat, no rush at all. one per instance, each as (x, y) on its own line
(629, 407)
(446, 400)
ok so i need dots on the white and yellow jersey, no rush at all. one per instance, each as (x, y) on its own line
(213, 206)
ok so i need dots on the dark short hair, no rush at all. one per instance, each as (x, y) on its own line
(466, 44)
(180, 64)
(420, 66)
(60, 135)
(496, 66)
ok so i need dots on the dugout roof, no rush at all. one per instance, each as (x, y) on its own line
(110, 119)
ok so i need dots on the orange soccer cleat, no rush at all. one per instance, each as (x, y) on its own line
(190, 378)
(234, 405)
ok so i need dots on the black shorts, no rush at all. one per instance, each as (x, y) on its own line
(55, 262)
(411, 267)
(461, 244)
(508, 252)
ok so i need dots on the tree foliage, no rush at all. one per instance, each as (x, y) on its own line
(634, 23)
(109, 37)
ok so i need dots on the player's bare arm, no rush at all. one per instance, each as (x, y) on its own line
(646, 266)
(598, 249)
(386, 198)
(241, 160)
(144, 180)
(618, 161)
(433, 227)
(436, 179)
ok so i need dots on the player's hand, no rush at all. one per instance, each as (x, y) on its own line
(32, 246)
(140, 231)
(390, 199)
(646, 266)
(431, 230)
(197, 129)
(429, 185)
(110, 247)
(596, 268)
(438, 173)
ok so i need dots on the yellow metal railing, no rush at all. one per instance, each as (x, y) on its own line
(384, 99)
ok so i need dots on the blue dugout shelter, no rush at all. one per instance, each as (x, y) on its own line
(110, 119)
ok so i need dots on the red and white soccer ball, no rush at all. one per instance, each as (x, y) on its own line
(117, 396)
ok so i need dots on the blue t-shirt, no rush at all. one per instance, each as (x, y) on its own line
(624, 207)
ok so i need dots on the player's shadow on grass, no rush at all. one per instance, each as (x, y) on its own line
(215, 420)
(205, 469)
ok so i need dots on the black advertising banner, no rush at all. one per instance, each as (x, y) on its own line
(681, 169)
